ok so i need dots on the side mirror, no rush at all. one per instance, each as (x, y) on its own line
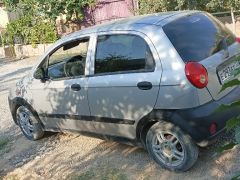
(40, 74)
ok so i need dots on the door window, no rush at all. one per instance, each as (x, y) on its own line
(69, 60)
(121, 53)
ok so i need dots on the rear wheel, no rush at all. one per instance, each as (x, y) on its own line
(170, 147)
(28, 123)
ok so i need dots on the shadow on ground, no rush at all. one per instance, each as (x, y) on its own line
(67, 156)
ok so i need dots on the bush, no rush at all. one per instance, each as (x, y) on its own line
(27, 30)
(233, 123)
(154, 6)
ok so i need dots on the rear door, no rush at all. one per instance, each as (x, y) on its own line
(202, 38)
(125, 82)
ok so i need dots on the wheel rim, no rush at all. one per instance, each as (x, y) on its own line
(24, 119)
(168, 149)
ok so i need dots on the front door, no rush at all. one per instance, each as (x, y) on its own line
(125, 83)
(61, 101)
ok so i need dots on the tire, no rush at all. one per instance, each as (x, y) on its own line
(29, 124)
(170, 147)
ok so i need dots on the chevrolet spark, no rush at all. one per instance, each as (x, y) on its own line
(151, 80)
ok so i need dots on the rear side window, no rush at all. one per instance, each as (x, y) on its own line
(198, 36)
(119, 53)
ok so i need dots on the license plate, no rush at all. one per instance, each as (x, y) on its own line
(227, 72)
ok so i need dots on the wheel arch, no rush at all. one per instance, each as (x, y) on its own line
(164, 115)
(147, 121)
(16, 103)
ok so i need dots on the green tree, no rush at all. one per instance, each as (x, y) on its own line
(233, 123)
(154, 6)
(22, 7)
(29, 30)
(73, 9)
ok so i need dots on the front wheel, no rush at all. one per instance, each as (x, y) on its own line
(170, 147)
(28, 124)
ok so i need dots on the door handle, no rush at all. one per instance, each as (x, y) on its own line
(145, 85)
(75, 87)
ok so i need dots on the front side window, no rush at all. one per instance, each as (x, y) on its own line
(119, 53)
(69, 60)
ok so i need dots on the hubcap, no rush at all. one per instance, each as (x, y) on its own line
(24, 120)
(167, 148)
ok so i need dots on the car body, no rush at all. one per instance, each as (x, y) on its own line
(133, 78)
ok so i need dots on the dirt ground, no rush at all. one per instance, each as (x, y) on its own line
(74, 156)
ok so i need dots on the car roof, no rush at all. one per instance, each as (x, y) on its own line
(159, 19)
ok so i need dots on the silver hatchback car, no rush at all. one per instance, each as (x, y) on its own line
(150, 80)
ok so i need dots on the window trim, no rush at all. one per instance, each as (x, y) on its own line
(120, 72)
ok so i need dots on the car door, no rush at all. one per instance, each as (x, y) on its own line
(124, 84)
(61, 100)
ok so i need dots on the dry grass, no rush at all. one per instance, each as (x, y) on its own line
(106, 173)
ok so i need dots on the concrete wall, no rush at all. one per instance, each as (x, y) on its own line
(2, 52)
(3, 17)
(22, 51)
(7, 51)
(6, 16)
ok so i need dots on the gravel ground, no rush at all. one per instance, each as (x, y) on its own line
(73, 156)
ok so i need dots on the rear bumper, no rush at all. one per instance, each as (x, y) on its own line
(197, 121)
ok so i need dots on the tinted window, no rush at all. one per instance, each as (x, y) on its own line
(198, 36)
(69, 60)
(116, 53)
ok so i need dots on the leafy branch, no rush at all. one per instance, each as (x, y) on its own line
(233, 123)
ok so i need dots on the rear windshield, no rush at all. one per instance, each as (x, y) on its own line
(198, 36)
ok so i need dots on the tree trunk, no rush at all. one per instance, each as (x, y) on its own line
(233, 21)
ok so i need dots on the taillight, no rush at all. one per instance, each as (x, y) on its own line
(196, 74)
(238, 39)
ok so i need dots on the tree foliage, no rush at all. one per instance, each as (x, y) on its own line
(29, 30)
(233, 123)
(154, 6)
(38, 17)
(73, 9)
